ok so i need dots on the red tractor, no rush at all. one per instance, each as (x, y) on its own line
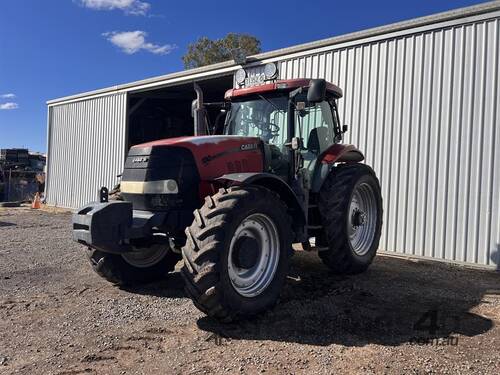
(234, 203)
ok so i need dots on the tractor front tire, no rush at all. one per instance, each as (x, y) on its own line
(127, 270)
(350, 206)
(237, 253)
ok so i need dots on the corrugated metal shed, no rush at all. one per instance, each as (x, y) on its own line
(421, 98)
(424, 107)
(86, 143)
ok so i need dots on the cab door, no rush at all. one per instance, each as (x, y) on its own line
(315, 125)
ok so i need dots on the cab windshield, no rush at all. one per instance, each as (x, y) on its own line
(261, 116)
(266, 117)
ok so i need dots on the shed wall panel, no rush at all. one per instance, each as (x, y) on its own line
(87, 149)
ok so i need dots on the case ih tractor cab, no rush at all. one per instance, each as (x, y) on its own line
(234, 203)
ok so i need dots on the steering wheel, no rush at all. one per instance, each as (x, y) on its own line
(263, 125)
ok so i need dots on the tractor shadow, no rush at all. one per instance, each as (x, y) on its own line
(171, 287)
(396, 301)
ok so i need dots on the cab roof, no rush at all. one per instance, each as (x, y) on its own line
(281, 85)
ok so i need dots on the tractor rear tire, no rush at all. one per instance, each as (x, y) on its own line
(237, 253)
(118, 270)
(350, 205)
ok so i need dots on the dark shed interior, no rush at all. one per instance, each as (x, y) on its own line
(166, 112)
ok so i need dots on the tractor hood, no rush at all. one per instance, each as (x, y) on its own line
(214, 155)
(169, 172)
(198, 141)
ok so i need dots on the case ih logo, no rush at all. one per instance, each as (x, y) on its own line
(249, 146)
(142, 159)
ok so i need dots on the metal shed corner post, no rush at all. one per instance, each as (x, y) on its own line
(86, 148)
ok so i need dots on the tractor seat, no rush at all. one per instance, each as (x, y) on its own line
(317, 142)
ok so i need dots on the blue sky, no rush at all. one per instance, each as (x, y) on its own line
(54, 48)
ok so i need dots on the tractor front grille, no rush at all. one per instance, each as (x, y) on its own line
(158, 163)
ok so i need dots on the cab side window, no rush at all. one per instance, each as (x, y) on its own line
(315, 125)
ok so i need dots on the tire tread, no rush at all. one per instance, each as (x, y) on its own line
(205, 243)
(334, 203)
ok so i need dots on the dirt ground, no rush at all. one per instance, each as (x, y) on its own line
(58, 317)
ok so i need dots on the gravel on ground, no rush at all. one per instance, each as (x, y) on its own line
(401, 316)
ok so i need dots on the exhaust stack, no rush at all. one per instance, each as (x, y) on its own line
(199, 112)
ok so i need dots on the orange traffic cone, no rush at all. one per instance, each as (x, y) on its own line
(36, 202)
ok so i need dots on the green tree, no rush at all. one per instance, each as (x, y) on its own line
(206, 51)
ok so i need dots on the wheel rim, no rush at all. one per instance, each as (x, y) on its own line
(362, 221)
(145, 257)
(255, 274)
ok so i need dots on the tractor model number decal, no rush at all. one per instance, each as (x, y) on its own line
(257, 79)
(246, 147)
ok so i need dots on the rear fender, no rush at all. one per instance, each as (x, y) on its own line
(273, 183)
(337, 153)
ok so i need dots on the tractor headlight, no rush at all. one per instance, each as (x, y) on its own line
(270, 71)
(150, 187)
(240, 76)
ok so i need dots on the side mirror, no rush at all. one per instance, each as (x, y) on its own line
(317, 91)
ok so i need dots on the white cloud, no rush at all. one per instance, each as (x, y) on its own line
(131, 42)
(8, 96)
(7, 106)
(135, 7)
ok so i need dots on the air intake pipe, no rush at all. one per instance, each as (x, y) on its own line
(199, 112)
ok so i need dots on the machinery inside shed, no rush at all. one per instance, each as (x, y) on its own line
(166, 112)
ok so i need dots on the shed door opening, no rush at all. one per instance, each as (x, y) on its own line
(166, 112)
